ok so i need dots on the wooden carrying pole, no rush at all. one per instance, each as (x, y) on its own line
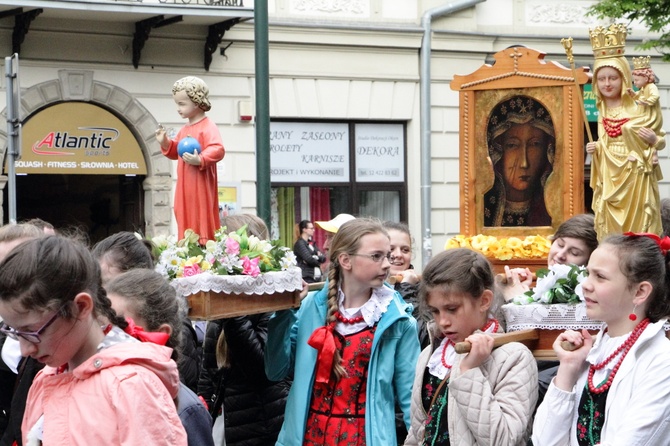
(502, 339)
(567, 44)
(499, 339)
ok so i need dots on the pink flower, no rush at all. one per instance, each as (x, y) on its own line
(191, 270)
(250, 266)
(232, 246)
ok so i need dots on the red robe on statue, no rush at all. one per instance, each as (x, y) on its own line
(196, 200)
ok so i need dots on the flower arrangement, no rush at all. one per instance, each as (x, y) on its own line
(560, 284)
(531, 247)
(234, 253)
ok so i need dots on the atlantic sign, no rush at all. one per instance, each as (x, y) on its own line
(78, 138)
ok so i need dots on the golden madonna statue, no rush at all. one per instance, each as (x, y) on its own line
(624, 170)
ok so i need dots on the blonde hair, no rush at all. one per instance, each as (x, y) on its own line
(255, 225)
(196, 89)
(12, 232)
(347, 240)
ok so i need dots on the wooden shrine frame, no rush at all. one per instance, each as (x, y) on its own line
(521, 72)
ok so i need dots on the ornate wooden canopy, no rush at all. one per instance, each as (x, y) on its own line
(521, 75)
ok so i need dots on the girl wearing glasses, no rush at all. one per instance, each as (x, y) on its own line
(351, 348)
(99, 386)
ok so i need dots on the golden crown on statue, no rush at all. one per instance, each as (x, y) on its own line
(640, 63)
(608, 42)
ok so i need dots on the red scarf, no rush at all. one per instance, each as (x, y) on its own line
(145, 336)
(323, 341)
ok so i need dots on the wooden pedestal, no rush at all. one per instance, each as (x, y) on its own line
(209, 305)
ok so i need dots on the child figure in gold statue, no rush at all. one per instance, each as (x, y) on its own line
(196, 204)
(647, 96)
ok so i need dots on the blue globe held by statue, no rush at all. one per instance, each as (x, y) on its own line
(188, 144)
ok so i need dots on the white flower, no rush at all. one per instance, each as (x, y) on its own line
(163, 241)
(288, 260)
(254, 243)
(558, 284)
(231, 261)
(160, 268)
(548, 282)
(211, 246)
(578, 289)
(545, 297)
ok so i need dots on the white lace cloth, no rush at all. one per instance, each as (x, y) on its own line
(266, 283)
(550, 317)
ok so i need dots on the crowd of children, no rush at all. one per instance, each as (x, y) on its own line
(350, 366)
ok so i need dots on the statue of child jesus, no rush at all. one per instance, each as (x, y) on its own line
(647, 96)
(196, 203)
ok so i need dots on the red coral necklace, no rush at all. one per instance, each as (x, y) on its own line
(613, 126)
(444, 351)
(344, 320)
(490, 323)
(623, 349)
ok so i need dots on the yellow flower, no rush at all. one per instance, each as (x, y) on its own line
(495, 249)
(452, 243)
(538, 245)
(192, 261)
(505, 254)
(480, 242)
(515, 244)
(505, 248)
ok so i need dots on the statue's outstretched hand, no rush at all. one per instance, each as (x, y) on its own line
(192, 158)
(161, 136)
(591, 147)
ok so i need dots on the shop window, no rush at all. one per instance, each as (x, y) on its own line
(321, 169)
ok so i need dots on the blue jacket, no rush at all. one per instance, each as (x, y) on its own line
(395, 351)
(194, 417)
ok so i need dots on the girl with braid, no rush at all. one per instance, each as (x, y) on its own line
(151, 306)
(351, 348)
(100, 385)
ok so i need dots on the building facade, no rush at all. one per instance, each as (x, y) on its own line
(345, 87)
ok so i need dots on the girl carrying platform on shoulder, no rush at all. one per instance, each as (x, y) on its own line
(614, 389)
(485, 396)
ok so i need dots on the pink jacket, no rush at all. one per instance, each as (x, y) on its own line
(122, 395)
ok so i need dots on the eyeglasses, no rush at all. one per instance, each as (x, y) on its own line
(31, 336)
(376, 257)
